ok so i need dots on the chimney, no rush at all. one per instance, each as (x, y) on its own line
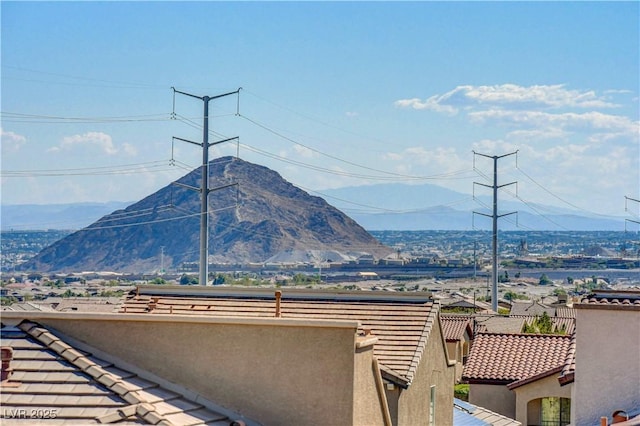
(152, 304)
(7, 357)
(278, 297)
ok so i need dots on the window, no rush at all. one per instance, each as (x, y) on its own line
(432, 406)
(555, 411)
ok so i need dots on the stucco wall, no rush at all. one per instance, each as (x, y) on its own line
(367, 408)
(546, 387)
(413, 403)
(497, 398)
(455, 354)
(607, 374)
(281, 372)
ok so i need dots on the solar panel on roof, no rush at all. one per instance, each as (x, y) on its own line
(465, 405)
(462, 418)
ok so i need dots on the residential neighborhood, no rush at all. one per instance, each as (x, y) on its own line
(233, 354)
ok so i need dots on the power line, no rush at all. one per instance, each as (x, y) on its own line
(152, 166)
(16, 117)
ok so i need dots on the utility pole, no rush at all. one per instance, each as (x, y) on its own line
(204, 186)
(495, 216)
(631, 220)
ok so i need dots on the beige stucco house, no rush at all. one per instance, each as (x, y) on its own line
(516, 375)
(276, 357)
(524, 377)
(607, 357)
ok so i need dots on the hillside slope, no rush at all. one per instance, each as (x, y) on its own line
(252, 221)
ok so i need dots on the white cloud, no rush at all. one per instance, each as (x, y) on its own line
(434, 103)
(508, 95)
(98, 139)
(11, 142)
(420, 161)
(548, 123)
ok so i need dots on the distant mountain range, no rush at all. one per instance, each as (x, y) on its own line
(410, 207)
(432, 207)
(258, 215)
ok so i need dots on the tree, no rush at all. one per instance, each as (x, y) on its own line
(219, 279)
(541, 325)
(187, 280)
(544, 280)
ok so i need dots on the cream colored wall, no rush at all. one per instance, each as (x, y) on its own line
(367, 407)
(496, 398)
(542, 388)
(434, 369)
(607, 374)
(455, 354)
(278, 372)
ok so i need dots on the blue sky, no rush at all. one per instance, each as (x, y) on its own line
(333, 94)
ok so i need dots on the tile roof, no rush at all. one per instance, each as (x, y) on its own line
(454, 326)
(559, 324)
(466, 414)
(28, 307)
(565, 312)
(506, 358)
(498, 324)
(51, 378)
(531, 308)
(568, 369)
(466, 302)
(401, 323)
(612, 298)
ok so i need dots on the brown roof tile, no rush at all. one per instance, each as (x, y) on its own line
(498, 324)
(568, 369)
(565, 312)
(84, 389)
(454, 326)
(401, 323)
(612, 298)
(506, 358)
(531, 308)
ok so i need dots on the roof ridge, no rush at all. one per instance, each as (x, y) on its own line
(432, 317)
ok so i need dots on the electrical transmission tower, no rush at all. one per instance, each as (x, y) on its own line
(204, 186)
(495, 216)
(631, 220)
(626, 209)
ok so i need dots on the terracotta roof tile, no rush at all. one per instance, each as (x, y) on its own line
(505, 358)
(454, 326)
(84, 389)
(626, 298)
(401, 324)
(531, 309)
(569, 367)
(498, 324)
(565, 312)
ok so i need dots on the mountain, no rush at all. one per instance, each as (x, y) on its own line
(253, 218)
(431, 207)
